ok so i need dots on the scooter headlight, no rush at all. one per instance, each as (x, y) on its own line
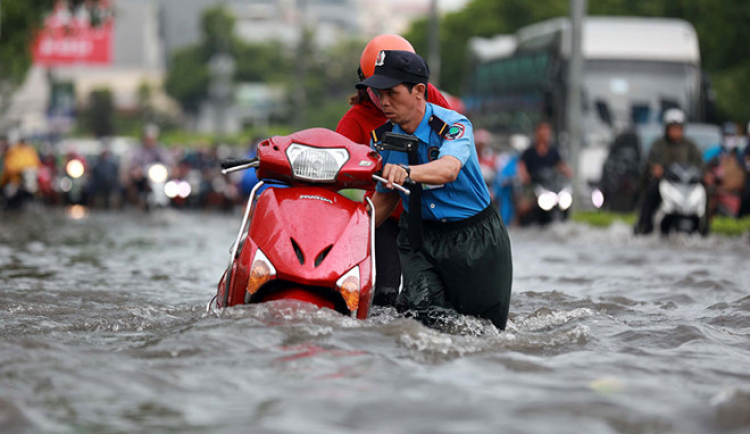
(181, 189)
(547, 200)
(75, 169)
(158, 173)
(261, 272)
(348, 285)
(316, 164)
(597, 198)
(565, 200)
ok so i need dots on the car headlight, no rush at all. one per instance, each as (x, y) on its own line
(316, 164)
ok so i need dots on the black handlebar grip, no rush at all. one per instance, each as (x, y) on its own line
(233, 162)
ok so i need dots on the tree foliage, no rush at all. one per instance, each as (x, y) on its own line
(101, 111)
(19, 20)
(188, 77)
(722, 27)
(327, 75)
(482, 18)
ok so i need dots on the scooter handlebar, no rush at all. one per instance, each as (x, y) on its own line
(398, 187)
(234, 165)
(230, 163)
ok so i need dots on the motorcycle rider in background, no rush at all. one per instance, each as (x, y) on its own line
(725, 172)
(18, 180)
(104, 185)
(150, 152)
(539, 156)
(745, 203)
(674, 147)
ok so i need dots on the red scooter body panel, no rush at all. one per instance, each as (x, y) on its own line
(325, 226)
(310, 233)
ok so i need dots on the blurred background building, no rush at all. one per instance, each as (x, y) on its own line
(146, 33)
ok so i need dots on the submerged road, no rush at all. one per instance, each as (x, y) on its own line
(103, 329)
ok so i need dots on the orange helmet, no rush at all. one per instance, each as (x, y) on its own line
(387, 41)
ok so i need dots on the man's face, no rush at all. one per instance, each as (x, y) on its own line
(400, 105)
(543, 133)
(149, 141)
(675, 132)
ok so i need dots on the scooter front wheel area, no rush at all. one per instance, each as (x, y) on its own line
(301, 294)
(704, 226)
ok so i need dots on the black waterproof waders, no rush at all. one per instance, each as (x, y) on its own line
(463, 266)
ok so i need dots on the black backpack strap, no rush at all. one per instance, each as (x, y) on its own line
(378, 132)
(438, 125)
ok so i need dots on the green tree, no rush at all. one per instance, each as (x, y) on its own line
(19, 20)
(144, 103)
(101, 111)
(188, 77)
(722, 27)
(330, 81)
(482, 18)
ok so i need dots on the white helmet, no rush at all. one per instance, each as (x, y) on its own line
(519, 142)
(674, 116)
(151, 130)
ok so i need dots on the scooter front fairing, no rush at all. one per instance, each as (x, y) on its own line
(311, 239)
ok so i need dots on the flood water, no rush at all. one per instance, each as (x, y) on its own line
(103, 329)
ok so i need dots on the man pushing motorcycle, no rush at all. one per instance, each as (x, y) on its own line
(454, 248)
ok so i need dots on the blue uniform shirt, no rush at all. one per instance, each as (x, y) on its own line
(457, 200)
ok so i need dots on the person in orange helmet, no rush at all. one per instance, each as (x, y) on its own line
(365, 115)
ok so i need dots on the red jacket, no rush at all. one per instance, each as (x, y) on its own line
(359, 121)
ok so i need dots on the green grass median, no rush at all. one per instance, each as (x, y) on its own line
(719, 225)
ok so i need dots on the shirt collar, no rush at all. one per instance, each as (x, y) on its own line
(423, 129)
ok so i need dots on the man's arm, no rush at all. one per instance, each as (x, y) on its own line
(654, 162)
(440, 171)
(384, 204)
(695, 156)
(523, 172)
(563, 168)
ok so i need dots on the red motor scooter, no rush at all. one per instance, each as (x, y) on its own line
(306, 242)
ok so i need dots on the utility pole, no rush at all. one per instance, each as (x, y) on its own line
(299, 97)
(575, 90)
(434, 44)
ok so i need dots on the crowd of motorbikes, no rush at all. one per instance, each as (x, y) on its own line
(305, 241)
(691, 196)
(59, 175)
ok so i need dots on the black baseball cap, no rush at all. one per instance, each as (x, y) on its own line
(394, 67)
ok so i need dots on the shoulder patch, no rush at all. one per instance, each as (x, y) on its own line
(456, 131)
(378, 132)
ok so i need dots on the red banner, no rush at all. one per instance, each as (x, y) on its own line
(70, 37)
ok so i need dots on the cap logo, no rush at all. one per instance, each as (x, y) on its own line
(381, 59)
